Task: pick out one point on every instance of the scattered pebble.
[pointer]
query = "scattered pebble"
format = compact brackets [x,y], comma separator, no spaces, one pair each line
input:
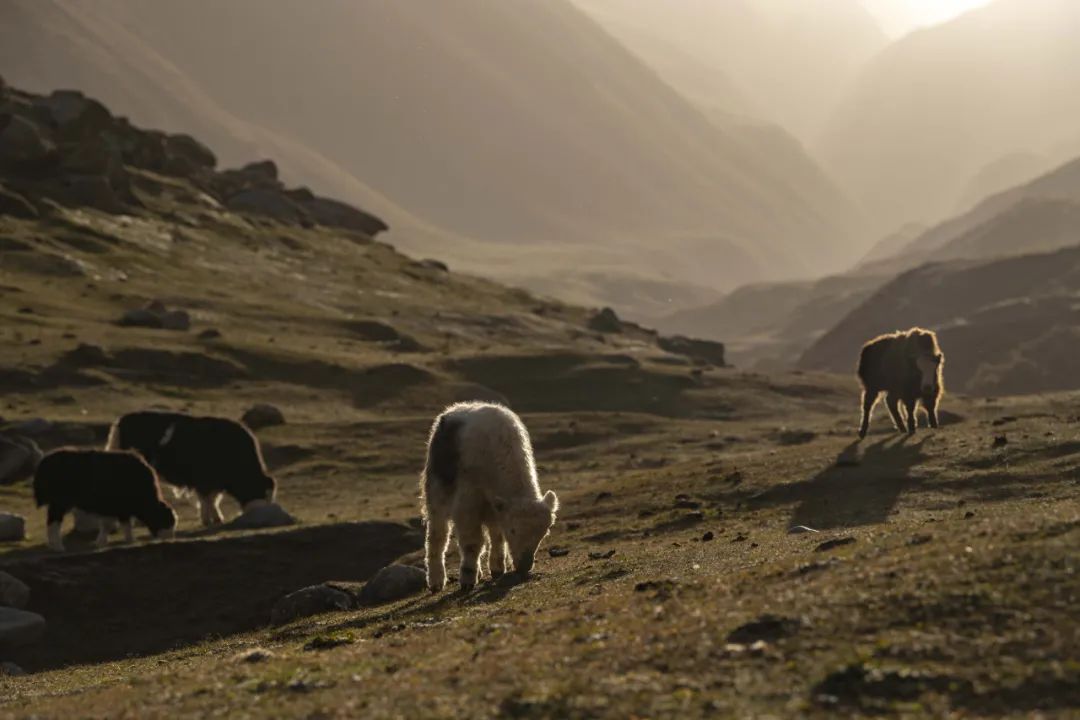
[558,552]
[707,536]
[801,529]
[1000,441]
[602,555]
[255,655]
[603,496]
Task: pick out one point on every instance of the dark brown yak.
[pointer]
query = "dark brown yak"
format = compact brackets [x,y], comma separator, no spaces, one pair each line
[906,366]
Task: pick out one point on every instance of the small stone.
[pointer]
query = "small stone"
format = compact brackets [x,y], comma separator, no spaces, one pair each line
[606,321]
[262,416]
[10,669]
[261,514]
[1000,441]
[308,601]
[209,334]
[19,627]
[600,497]
[602,555]
[142,318]
[969,514]
[393,582]
[558,552]
[707,536]
[14,593]
[12,527]
[800,530]
[176,320]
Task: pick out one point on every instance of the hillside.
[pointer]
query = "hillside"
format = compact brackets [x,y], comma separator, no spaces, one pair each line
[481,139]
[677,581]
[1007,326]
[1040,214]
[939,105]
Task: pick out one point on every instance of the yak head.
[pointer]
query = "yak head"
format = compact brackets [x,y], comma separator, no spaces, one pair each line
[525,523]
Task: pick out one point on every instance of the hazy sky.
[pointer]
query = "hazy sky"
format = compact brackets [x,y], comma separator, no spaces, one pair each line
[900,16]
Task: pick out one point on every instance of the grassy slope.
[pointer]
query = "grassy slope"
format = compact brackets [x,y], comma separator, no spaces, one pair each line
[929,610]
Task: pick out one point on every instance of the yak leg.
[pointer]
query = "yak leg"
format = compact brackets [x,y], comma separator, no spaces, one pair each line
[931,411]
[438,537]
[125,525]
[54,519]
[470,538]
[893,403]
[209,510]
[909,405]
[498,553]
[102,538]
[869,399]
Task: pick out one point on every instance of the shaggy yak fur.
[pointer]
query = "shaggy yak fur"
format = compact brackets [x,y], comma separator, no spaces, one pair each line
[907,367]
[110,485]
[209,455]
[480,477]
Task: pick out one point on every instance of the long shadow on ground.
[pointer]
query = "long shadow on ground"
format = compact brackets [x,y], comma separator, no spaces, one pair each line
[852,491]
[145,599]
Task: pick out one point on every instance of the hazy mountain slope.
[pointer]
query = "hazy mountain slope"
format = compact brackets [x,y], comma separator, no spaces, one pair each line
[784,61]
[938,105]
[1007,326]
[769,325]
[473,120]
[1034,216]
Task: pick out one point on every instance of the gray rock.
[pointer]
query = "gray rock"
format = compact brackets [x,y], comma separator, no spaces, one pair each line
[24,144]
[14,592]
[801,529]
[606,321]
[261,515]
[393,582]
[141,317]
[19,627]
[10,669]
[12,527]
[19,457]
[176,320]
[309,601]
[334,213]
[269,202]
[263,416]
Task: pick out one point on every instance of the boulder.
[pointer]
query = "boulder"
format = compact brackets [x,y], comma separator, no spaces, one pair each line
[14,593]
[393,582]
[263,416]
[606,321]
[19,457]
[176,320]
[10,669]
[334,213]
[12,527]
[261,514]
[25,145]
[264,171]
[140,317]
[309,601]
[269,202]
[74,115]
[708,351]
[15,205]
[19,627]
[93,191]
[185,155]
[434,265]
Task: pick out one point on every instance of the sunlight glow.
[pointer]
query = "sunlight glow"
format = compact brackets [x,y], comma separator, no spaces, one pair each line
[899,16]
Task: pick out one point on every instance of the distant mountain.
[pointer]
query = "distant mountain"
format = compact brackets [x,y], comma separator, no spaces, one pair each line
[1007,326]
[517,139]
[936,107]
[782,61]
[1041,214]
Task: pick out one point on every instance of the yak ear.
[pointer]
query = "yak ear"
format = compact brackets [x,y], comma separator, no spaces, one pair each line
[552,501]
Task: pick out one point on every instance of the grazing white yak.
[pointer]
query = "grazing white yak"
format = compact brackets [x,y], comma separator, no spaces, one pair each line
[480,476]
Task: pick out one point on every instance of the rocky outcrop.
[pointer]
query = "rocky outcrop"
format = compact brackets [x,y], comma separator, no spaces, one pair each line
[706,351]
[69,149]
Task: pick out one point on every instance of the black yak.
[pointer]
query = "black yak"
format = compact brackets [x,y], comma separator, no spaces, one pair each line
[110,485]
[209,455]
[907,367]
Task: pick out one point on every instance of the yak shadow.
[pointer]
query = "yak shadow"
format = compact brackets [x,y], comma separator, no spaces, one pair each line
[861,487]
[149,598]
